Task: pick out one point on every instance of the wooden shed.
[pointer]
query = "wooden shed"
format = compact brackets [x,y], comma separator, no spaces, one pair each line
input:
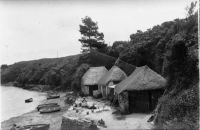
[140,91]
[112,77]
[91,79]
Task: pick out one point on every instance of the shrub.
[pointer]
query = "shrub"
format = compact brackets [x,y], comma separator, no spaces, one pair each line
[183,108]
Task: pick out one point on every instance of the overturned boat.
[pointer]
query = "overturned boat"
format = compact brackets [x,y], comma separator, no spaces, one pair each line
[53,96]
[46,105]
[37,127]
[49,109]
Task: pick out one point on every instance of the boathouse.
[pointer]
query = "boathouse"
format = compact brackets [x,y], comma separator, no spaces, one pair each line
[109,80]
[140,91]
[90,80]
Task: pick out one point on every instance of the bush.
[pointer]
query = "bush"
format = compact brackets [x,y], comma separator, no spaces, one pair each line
[179,109]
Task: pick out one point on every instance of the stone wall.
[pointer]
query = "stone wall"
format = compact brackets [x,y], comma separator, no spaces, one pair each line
[77,124]
[85,90]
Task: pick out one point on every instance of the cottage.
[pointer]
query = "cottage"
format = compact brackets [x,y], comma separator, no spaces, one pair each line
[140,91]
[107,82]
[91,79]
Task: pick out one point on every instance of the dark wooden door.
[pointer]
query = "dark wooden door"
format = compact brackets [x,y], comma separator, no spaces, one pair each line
[139,101]
[91,91]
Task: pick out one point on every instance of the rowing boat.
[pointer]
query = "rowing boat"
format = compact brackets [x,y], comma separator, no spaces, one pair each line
[49,109]
[53,96]
[36,127]
[46,105]
[28,100]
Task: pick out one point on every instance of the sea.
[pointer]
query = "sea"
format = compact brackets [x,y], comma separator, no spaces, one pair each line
[13,101]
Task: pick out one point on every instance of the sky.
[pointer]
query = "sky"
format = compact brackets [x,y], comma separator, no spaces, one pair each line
[38,29]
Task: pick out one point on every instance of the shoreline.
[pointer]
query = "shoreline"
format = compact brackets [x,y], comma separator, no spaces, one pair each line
[32,87]
[34,117]
[56,119]
[25,112]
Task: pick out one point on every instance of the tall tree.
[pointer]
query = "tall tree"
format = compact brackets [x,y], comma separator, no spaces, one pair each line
[91,37]
[191,9]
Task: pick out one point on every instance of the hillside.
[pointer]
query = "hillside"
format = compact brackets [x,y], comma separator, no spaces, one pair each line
[64,72]
[170,49]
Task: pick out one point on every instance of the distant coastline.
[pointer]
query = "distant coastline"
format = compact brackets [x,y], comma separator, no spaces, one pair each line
[31,87]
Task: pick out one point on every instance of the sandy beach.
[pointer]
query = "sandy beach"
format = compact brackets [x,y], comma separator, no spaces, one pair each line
[34,117]
[113,119]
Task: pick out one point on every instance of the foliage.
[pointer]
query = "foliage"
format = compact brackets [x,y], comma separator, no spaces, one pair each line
[91,37]
[52,71]
[179,109]
[117,48]
[170,49]
[153,46]
[65,72]
[190,9]
[4,66]
[77,76]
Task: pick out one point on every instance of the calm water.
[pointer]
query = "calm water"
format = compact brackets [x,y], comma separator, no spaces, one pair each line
[12,101]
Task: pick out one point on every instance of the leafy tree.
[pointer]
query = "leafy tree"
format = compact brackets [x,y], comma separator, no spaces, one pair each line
[117,48]
[91,37]
[4,66]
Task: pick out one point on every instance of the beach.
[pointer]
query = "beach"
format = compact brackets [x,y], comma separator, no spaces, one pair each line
[133,121]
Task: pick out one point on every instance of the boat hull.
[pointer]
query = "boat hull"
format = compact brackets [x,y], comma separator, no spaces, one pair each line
[46,105]
[53,97]
[37,127]
[28,100]
[49,109]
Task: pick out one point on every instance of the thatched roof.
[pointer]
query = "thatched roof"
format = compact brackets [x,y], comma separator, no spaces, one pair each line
[93,75]
[143,78]
[114,74]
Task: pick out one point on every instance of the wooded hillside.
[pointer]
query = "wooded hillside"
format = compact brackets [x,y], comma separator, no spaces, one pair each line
[171,49]
[65,72]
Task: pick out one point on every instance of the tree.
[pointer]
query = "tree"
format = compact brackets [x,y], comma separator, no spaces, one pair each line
[118,47]
[91,37]
[191,9]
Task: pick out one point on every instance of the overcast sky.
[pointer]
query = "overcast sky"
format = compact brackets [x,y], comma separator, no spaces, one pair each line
[34,30]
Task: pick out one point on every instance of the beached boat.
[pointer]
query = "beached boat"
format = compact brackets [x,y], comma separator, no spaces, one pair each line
[46,105]
[53,96]
[50,109]
[36,127]
[28,100]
